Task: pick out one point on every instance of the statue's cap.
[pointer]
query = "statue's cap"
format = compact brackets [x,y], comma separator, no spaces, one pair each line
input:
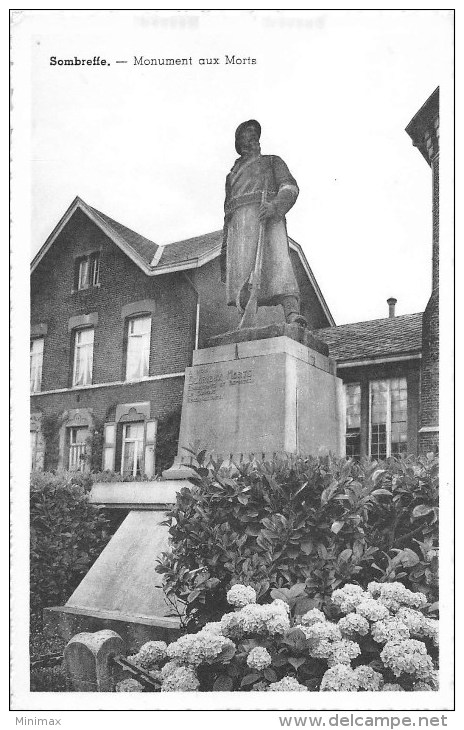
[242,126]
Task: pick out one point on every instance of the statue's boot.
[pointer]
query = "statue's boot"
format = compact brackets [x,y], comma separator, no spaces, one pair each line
[291,307]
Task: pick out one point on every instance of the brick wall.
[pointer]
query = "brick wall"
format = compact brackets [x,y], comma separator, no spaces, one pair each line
[429,416]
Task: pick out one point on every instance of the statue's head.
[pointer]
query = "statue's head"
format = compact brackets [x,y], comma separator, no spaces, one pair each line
[247,137]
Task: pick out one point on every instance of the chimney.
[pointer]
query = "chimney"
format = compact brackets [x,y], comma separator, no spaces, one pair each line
[391,307]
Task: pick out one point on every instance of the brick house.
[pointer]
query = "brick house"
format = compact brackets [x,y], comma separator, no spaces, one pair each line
[116,317]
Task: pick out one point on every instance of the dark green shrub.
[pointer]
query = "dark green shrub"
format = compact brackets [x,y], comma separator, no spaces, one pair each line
[67,535]
[322,522]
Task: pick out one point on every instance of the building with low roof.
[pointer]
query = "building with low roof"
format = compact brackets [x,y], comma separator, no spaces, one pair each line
[115,318]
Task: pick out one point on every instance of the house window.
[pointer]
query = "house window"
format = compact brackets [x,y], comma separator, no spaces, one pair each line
[132,449]
[138,348]
[33,448]
[83,356]
[88,271]
[77,445]
[388,417]
[36,360]
[353,420]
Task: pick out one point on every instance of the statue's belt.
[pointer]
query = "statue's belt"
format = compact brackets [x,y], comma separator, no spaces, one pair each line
[232,204]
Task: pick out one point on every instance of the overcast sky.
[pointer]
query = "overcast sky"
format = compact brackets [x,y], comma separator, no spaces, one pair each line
[333,90]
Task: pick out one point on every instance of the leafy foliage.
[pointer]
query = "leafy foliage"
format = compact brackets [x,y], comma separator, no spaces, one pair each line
[67,535]
[320,522]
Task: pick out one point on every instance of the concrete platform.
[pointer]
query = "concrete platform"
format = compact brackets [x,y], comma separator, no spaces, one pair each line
[282,329]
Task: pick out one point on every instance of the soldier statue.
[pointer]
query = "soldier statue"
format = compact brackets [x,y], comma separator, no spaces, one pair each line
[260,190]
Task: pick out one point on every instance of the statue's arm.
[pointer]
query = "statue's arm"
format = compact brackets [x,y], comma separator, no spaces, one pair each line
[287,188]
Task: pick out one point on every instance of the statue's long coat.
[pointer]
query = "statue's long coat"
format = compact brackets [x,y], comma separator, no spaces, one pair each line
[244,186]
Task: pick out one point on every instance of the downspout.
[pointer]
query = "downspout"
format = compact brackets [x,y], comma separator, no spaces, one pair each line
[197,316]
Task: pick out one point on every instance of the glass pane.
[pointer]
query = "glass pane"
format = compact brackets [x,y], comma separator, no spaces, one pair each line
[84,274]
[83,358]
[36,359]
[379,401]
[138,348]
[128,457]
[399,426]
[33,447]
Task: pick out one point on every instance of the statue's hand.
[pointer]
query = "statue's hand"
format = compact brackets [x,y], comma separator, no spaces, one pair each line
[266,210]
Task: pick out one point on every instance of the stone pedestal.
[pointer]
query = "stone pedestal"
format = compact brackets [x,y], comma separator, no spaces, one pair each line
[257,398]
[122,590]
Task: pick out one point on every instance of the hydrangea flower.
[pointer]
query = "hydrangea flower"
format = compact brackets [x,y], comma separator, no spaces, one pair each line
[369,680]
[129,685]
[259,658]
[411,618]
[240,595]
[195,649]
[430,628]
[150,654]
[389,629]
[372,609]
[342,652]
[213,627]
[182,679]
[340,678]
[287,684]
[270,619]
[326,630]
[374,588]
[169,667]
[314,616]
[394,595]
[408,656]
[348,597]
[390,687]
[353,623]
[422,687]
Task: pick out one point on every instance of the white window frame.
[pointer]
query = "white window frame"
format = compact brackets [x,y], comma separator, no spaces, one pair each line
[77,347]
[138,443]
[131,338]
[89,271]
[388,416]
[77,449]
[36,385]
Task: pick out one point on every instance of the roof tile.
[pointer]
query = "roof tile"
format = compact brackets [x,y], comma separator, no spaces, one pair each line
[374,338]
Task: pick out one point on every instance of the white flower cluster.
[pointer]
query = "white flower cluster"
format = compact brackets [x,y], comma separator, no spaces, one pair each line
[389,629]
[395,595]
[342,652]
[287,684]
[314,616]
[240,595]
[340,678]
[180,679]
[150,654]
[411,618]
[407,657]
[326,633]
[388,687]
[372,609]
[129,685]
[369,680]
[353,623]
[259,658]
[430,628]
[270,619]
[348,597]
[194,649]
